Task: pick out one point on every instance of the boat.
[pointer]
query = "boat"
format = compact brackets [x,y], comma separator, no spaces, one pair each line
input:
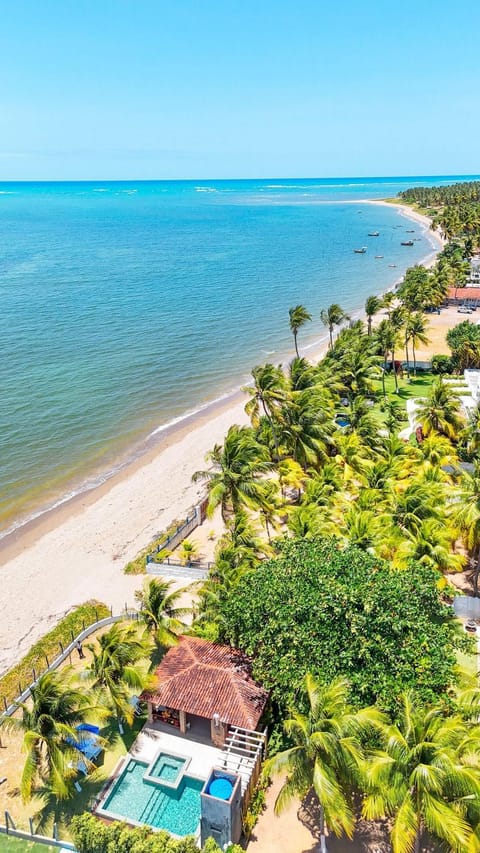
[392,266]
[373,234]
[360,251]
[410,230]
[406,243]
[379,256]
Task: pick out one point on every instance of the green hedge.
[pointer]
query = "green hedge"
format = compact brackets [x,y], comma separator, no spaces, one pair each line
[90,835]
[49,645]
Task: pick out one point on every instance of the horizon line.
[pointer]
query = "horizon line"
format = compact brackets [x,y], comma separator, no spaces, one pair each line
[218,180]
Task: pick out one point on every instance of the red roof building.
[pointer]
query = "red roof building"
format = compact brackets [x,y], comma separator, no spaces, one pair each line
[459,295]
[199,679]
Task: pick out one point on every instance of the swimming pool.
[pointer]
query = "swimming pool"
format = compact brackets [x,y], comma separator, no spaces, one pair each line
[167,768]
[133,798]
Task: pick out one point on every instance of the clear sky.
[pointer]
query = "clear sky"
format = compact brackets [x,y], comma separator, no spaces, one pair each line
[238,88]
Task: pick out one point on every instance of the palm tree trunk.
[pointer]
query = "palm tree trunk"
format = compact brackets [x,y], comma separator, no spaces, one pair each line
[414,359]
[394,371]
[407,360]
[330,329]
[369,326]
[323,839]
[296,346]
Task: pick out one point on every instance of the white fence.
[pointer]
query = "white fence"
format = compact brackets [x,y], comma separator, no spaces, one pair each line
[9,829]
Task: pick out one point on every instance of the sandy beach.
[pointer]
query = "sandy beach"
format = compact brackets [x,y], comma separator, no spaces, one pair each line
[78,551]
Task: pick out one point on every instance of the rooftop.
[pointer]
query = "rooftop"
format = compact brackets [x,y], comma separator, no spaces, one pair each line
[204,679]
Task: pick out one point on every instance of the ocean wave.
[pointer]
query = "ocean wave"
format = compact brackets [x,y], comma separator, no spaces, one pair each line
[206,190]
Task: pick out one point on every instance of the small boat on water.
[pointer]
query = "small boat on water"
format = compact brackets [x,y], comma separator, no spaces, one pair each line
[360,251]
[410,231]
[392,266]
[406,243]
[374,234]
[379,256]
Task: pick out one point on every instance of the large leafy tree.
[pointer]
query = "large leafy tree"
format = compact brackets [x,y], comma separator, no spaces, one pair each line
[326,755]
[298,316]
[419,779]
[119,667]
[236,477]
[343,612]
[160,611]
[47,722]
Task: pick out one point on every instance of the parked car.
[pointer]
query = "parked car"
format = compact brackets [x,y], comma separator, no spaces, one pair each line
[463,310]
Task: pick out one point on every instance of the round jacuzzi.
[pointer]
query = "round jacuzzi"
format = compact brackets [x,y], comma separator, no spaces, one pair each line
[221,789]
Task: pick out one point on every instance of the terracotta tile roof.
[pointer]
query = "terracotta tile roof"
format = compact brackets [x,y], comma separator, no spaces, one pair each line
[464,292]
[204,678]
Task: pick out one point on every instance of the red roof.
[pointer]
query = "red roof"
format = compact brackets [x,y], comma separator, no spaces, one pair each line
[204,678]
[464,292]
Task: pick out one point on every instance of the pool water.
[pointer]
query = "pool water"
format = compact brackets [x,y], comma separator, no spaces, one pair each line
[167,767]
[176,810]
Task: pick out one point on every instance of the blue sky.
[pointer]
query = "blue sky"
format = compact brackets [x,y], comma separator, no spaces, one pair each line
[238,88]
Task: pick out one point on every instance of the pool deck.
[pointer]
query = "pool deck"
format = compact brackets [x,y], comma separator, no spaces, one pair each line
[152,739]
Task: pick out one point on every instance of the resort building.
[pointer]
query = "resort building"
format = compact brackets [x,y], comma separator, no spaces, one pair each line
[193,767]
[207,689]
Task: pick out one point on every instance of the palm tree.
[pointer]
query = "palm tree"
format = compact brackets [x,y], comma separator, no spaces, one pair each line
[385,336]
[326,755]
[372,306]
[416,329]
[419,780]
[440,411]
[267,393]
[48,722]
[298,317]
[160,611]
[119,665]
[235,481]
[333,316]
[468,518]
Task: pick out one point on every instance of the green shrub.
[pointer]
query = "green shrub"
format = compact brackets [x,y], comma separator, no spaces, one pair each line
[90,835]
[49,647]
[442,364]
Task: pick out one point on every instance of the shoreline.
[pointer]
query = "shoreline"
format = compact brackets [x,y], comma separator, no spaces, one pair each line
[77,549]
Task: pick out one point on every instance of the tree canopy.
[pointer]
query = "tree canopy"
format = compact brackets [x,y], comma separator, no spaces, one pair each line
[344,613]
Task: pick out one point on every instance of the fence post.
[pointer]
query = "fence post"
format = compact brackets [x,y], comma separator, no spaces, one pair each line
[55,831]
[61,647]
[5,703]
[111,610]
[19,689]
[6,821]
[48,662]
[34,673]
[32,831]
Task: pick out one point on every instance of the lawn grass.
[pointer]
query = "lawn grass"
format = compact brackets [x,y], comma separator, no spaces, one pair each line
[418,386]
[46,813]
[468,662]
[9,844]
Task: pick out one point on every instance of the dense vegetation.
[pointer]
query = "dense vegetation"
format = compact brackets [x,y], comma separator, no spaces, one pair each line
[92,836]
[342,612]
[455,209]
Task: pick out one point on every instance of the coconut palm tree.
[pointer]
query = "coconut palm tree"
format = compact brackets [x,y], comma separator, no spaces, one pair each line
[266,394]
[298,317]
[326,755]
[432,545]
[419,780]
[160,612]
[236,477]
[372,306]
[385,337]
[333,316]
[468,518]
[48,722]
[416,329]
[119,666]
[440,411]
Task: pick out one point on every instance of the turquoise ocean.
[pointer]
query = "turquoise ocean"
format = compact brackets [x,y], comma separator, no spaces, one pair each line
[126,305]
